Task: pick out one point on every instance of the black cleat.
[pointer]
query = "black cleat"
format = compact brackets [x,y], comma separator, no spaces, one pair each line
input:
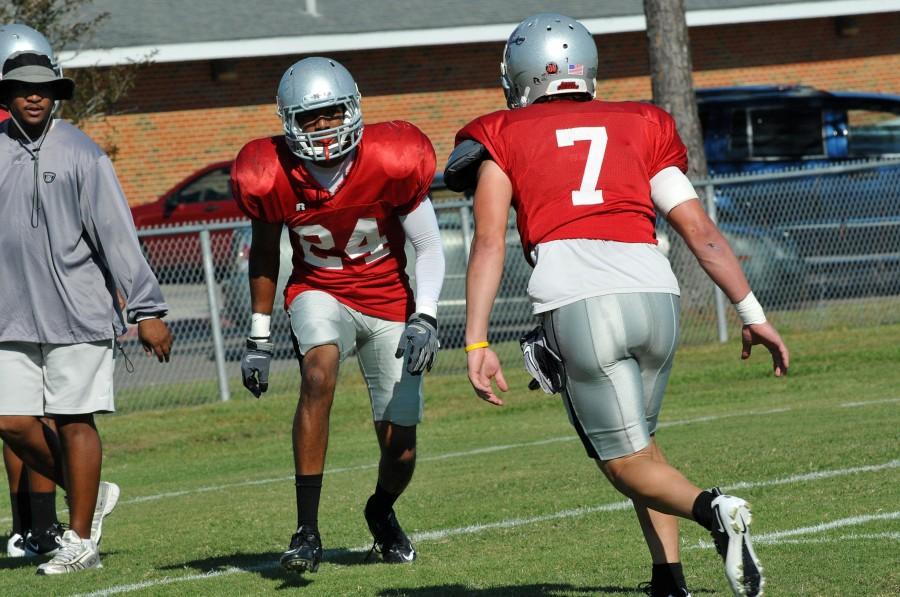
[46,542]
[305,551]
[390,540]
[653,591]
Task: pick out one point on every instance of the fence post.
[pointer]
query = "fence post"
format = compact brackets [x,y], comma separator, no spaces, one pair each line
[721,322]
[218,345]
[465,220]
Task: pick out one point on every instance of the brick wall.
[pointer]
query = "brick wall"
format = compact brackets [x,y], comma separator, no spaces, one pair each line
[178,119]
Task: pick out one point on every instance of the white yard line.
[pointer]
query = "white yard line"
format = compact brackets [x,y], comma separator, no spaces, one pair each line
[868,402]
[775,537]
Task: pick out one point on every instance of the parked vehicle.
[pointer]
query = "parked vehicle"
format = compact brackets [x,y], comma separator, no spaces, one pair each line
[844,230]
[204,196]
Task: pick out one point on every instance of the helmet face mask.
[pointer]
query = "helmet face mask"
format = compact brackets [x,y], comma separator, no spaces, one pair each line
[312,84]
[548,54]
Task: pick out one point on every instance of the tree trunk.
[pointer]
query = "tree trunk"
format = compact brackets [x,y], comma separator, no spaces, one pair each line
[673,90]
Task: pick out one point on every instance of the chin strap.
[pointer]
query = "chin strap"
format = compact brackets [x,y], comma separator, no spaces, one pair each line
[34,151]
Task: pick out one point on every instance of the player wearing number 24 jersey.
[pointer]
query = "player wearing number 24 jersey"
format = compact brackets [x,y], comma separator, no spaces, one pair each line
[351,198]
[349,242]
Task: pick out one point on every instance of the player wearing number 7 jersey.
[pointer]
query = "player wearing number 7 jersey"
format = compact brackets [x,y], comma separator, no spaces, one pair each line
[587,179]
[351,199]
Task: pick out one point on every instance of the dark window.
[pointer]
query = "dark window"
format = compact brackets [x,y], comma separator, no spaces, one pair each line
[872,133]
[786,133]
[212,186]
[737,149]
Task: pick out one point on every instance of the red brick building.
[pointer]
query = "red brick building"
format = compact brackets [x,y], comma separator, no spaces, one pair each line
[199,102]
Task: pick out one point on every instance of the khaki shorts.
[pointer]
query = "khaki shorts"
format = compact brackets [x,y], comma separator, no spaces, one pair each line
[56,379]
[617,350]
[318,319]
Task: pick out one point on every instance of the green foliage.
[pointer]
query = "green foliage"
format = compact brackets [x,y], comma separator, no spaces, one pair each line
[207,491]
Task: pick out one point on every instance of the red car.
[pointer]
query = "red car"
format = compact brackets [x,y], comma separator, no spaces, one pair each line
[203,196]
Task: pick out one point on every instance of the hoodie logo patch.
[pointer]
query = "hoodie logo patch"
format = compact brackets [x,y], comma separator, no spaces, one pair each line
[49,177]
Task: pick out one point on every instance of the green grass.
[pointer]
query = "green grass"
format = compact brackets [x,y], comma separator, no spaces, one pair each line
[759,429]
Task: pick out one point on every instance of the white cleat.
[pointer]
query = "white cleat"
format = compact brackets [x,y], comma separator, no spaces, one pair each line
[107,498]
[15,547]
[731,535]
[75,554]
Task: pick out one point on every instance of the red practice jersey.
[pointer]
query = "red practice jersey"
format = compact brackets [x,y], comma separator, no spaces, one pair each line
[581,169]
[3,114]
[349,244]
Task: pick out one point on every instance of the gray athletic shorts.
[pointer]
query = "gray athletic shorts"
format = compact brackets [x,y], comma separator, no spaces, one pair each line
[318,319]
[618,351]
[56,379]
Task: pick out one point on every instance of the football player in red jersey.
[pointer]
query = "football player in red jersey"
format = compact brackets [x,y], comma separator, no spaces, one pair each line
[350,198]
[586,179]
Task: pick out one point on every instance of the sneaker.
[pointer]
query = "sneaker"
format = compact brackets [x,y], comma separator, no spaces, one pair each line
[305,551]
[15,546]
[651,591]
[390,540]
[45,543]
[107,498]
[74,554]
[731,534]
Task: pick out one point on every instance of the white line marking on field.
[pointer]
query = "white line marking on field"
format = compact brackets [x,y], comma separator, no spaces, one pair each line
[841,538]
[868,402]
[437,457]
[570,513]
[780,536]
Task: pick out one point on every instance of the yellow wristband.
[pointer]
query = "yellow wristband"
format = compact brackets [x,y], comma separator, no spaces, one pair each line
[477,345]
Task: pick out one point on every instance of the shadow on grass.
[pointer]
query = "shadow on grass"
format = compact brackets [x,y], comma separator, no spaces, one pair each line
[534,590]
[266,565]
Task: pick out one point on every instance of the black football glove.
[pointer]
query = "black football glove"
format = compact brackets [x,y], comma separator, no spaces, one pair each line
[544,365]
[419,342]
[255,365]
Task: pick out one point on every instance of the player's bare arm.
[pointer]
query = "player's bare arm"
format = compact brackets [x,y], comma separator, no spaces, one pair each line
[493,197]
[717,259]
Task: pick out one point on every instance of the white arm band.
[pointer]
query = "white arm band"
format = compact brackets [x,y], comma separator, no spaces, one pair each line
[260,324]
[669,188]
[421,228]
[750,311]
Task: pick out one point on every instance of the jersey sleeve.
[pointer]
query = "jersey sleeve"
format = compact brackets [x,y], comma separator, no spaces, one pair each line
[418,163]
[252,182]
[486,130]
[667,148]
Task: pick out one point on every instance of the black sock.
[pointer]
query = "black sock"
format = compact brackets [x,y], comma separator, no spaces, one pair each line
[21,512]
[702,510]
[43,510]
[381,501]
[309,489]
[668,576]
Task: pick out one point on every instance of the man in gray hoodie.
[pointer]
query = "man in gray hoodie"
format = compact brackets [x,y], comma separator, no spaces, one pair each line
[68,246]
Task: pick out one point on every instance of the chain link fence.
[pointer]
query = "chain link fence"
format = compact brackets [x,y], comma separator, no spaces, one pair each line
[821,248]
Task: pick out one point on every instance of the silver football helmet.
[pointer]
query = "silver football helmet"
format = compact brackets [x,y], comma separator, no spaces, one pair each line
[15,38]
[548,54]
[314,83]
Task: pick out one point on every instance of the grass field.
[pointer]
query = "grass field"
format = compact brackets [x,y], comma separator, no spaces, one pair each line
[504,501]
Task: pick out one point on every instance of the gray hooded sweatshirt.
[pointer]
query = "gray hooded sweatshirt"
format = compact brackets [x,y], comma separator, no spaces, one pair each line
[61,264]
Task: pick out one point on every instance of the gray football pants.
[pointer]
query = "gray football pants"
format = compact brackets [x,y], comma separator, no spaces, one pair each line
[617,350]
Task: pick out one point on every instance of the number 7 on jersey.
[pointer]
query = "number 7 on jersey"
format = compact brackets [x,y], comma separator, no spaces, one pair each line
[588,194]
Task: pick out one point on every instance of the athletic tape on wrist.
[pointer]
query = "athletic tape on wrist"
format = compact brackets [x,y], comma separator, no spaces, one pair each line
[750,311]
[260,325]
